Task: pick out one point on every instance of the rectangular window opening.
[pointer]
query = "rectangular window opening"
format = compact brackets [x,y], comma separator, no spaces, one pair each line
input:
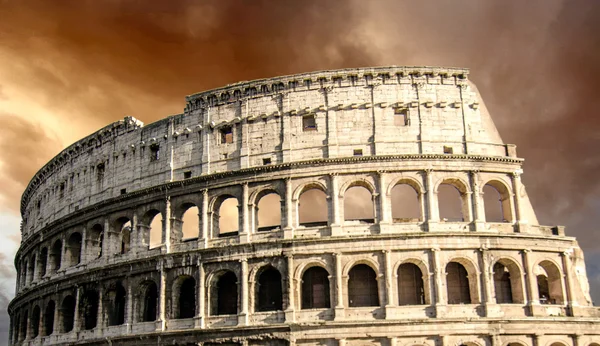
[123,191]
[309,123]
[187,174]
[448,150]
[100,172]
[267,161]
[401,117]
[226,135]
[224,156]
[154,152]
[358,152]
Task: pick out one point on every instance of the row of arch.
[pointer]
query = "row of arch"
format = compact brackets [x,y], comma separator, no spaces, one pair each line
[267,213]
[315,292]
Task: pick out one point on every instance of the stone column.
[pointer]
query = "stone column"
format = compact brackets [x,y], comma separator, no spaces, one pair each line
[78,293]
[389,292]
[83,254]
[339,292]
[334,218]
[478,207]
[517,187]
[107,240]
[167,225]
[384,203]
[244,234]
[129,311]
[290,315]
[491,307]
[243,317]
[577,340]
[243,128]
[569,294]
[56,325]
[99,315]
[200,319]
[163,297]
[288,229]
[204,231]
[439,279]
[433,214]
[342,342]
[530,283]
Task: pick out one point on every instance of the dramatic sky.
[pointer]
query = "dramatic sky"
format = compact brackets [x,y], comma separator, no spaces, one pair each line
[68,68]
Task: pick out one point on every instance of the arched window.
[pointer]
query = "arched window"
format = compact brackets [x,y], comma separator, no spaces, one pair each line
[74,249]
[358,205]
[224,295]
[31,270]
[451,204]
[410,285]
[312,208]
[315,289]
[270,297]
[149,301]
[362,286]
[67,312]
[89,309]
[156,229]
[125,228]
[49,318]
[24,268]
[227,218]
[186,298]
[96,239]
[457,283]
[406,205]
[549,283]
[116,305]
[24,325]
[269,212]
[496,201]
[43,261]
[35,322]
[502,284]
[56,256]
[191,223]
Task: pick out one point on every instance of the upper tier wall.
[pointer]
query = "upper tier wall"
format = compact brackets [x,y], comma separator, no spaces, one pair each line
[374,111]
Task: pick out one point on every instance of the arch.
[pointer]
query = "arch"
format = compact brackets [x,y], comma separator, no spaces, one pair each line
[315,292]
[124,227]
[67,313]
[269,290]
[184,297]
[35,322]
[190,221]
[302,188]
[458,284]
[56,256]
[43,261]
[224,294]
[116,299]
[508,284]
[496,201]
[411,289]
[557,343]
[225,216]
[148,301]
[362,286]
[358,201]
[96,239]
[25,268]
[31,270]
[355,183]
[153,233]
[406,202]
[268,211]
[49,318]
[89,308]
[453,201]
[549,280]
[311,204]
[74,249]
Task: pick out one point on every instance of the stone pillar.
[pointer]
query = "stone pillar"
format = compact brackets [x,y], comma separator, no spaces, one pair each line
[385,217]
[162,299]
[478,206]
[334,217]
[517,187]
[129,311]
[491,308]
[204,219]
[244,234]
[569,294]
[389,292]
[439,279]
[107,240]
[200,319]
[288,229]
[290,315]
[530,284]
[99,315]
[577,340]
[243,317]
[78,293]
[339,292]
[56,325]
[433,213]
[243,128]
[167,225]
[83,254]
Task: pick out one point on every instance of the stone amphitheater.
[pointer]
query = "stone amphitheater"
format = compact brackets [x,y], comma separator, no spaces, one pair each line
[372,206]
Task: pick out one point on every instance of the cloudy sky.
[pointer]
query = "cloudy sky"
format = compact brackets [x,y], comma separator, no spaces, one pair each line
[68,68]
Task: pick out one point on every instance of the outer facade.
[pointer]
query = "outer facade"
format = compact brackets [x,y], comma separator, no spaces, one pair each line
[88,275]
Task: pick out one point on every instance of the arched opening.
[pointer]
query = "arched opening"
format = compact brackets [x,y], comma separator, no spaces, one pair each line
[186,297]
[89,309]
[24,269]
[549,281]
[502,284]
[43,261]
[312,208]
[410,285]
[156,229]
[270,295]
[16,329]
[406,204]
[67,312]
[116,299]
[56,256]
[31,270]
[35,322]
[358,205]
[315,289]
[226,216]
[268,212]
[124,226]
[96,239]
[149,301]
[496,201]
[451,203]
[224,294]
[74,249]
[49,318]
[362,286]
[190,223]
[457,283]
[24,325]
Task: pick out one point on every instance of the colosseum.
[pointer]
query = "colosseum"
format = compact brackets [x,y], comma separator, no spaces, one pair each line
[372,206]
